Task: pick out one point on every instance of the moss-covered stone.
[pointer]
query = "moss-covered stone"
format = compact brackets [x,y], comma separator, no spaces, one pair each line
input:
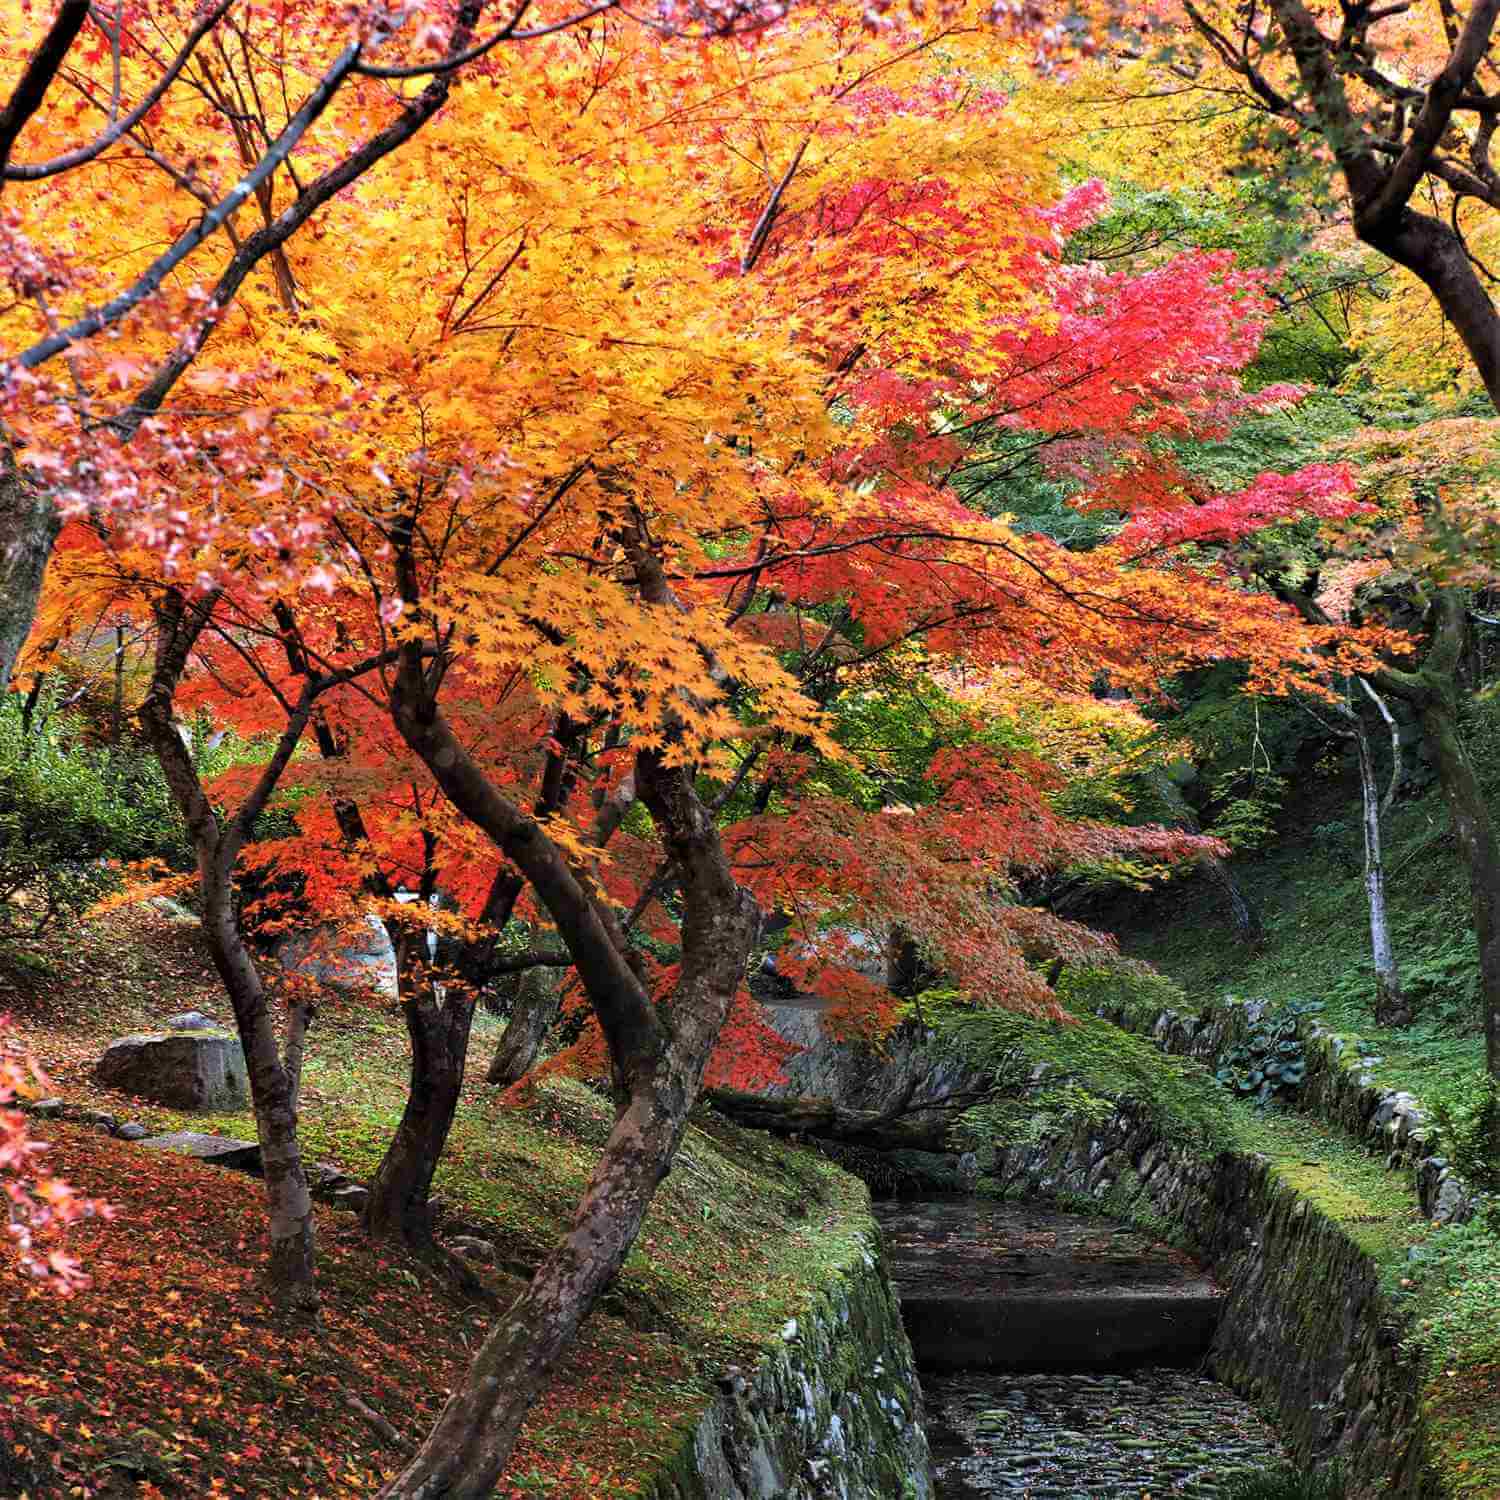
[832,1408]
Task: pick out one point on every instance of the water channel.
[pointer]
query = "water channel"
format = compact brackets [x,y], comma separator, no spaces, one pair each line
[1061,1357]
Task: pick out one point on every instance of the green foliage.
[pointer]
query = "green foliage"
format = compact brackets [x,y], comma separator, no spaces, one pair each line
[1467,1114]
[1288,1484]
[1452,1289]
[1047,1075]
[66,810]
[1270,1063]
[1132,989]
[1246,806]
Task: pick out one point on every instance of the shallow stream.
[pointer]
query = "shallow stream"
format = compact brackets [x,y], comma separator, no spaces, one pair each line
[1151,1432]
[1081,1413]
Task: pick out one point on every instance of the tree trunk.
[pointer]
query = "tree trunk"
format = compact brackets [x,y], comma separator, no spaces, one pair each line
[1476,841]
[28,527]
[467,1451]
[538,999]
[273,1092]
[1391,1007]
[274,1083]
[398,1206]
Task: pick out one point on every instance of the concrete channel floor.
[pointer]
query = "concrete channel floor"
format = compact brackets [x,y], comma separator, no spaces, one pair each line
[1052,1348]
[1007,1286]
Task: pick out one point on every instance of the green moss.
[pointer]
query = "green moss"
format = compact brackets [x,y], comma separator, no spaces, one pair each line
[1338,1177]
[1046,1073]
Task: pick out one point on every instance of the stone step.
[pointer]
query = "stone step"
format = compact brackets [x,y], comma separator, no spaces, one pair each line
[997,1286]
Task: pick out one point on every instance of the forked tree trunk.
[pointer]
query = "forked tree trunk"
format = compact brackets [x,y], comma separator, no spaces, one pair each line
[28,527]
[399,1203]
[274,1079]
[659,1058]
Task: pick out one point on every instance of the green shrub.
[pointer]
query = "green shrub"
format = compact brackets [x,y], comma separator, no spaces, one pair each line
[1270,1063]
[1467,1113]
[1288,1484]
[66,811]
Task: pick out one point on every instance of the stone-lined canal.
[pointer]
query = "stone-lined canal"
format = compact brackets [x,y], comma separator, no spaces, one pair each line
[1059,1356]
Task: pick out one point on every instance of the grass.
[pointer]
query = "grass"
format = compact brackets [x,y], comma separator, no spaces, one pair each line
[742,1231]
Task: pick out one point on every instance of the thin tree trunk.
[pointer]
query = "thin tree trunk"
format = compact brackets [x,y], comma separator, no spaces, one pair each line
[398,1206]
[1391,1007]
[28,527]
[273,1084]
[538,1000]
[290,1268]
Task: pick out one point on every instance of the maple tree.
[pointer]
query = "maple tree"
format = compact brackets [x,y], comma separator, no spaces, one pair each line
[609,503]
[1391,97]
[39,1207]
[294,104]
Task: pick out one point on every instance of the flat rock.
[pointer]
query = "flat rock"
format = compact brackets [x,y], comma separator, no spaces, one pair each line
[185,1069]
[132,1130]
[217,1150]
[471,1247]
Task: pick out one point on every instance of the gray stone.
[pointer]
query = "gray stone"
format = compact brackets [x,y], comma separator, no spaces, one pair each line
[48,1109]
[473,1248]
[172,911]
[353,1197]
[1452,1203]
[352,962]
[132,1130]
[191,1020]
[845,1386]
[184,1069]
[216,1150]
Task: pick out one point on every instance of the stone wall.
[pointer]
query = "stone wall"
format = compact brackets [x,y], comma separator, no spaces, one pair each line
[832,1412]
[1304,1331]
[1338,1088]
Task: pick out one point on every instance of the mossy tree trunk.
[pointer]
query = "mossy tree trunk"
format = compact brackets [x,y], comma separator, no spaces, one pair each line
[28,527]
[1433,690]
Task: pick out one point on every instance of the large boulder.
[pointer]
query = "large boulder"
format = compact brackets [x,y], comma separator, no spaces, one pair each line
[184,1069]
[360,960]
